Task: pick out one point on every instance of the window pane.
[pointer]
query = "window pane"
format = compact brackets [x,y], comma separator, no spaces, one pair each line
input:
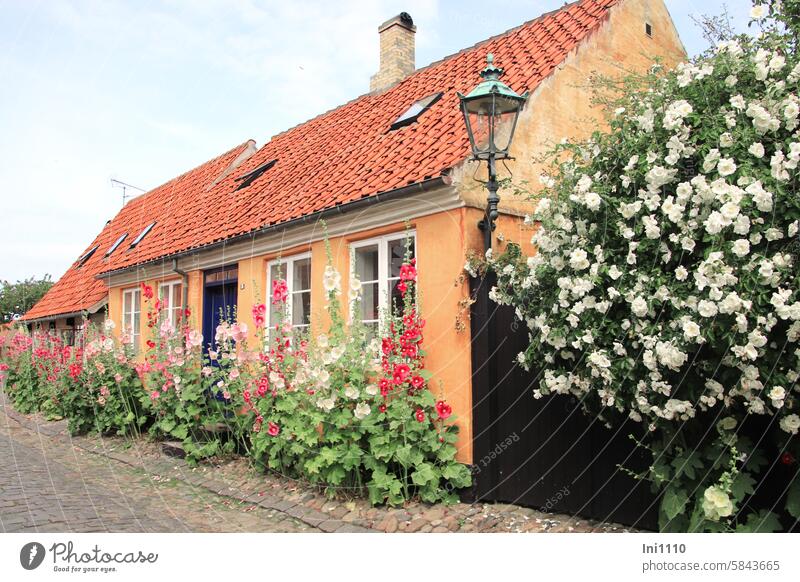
[367,263]
[137,301]
[301,308]
[276,272]
[369,301]
[302,275]
[397,298]
[177,296]
[397,252]
[127,301]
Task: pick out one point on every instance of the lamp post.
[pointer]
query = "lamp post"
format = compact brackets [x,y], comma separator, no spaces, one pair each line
[490,113]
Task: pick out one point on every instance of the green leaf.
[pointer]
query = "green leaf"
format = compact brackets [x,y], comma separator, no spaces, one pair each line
[424,474]
[742,486]
[674,502]
[762,522]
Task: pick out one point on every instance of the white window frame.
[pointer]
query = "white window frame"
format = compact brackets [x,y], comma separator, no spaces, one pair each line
[169,286]
[289,263]
[136,308]
[383,268]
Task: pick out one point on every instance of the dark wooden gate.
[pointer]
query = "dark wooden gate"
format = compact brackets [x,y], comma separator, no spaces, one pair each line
[546,453]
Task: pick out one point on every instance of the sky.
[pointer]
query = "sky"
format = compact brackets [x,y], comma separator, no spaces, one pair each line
[142,91]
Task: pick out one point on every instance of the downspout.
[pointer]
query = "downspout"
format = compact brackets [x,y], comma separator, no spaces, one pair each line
[184,284]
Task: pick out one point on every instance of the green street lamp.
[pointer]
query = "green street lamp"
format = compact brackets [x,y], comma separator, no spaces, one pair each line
[490,113]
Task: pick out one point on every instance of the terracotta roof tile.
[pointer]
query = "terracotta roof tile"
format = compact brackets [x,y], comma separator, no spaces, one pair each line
[338,157]
[79,289]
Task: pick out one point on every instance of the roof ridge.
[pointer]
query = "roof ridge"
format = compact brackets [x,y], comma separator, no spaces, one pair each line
[442,60]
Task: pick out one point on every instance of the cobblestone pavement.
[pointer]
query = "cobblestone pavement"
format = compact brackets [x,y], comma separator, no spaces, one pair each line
[49,486]
[52,482]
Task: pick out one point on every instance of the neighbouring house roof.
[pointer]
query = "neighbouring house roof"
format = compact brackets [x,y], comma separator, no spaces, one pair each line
[341,156]
[79,289]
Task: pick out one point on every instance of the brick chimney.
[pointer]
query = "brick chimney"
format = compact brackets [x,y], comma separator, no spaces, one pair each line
[397,52]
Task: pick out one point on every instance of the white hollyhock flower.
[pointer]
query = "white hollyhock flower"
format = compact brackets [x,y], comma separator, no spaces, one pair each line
[362,410]
[758,12]
[716,503]
[790,424]
[351,392]
[681,273]
[331,280]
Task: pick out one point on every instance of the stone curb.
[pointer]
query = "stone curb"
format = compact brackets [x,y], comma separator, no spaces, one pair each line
[307,515]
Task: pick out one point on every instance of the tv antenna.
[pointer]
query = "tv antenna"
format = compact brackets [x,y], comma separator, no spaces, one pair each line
[120,184]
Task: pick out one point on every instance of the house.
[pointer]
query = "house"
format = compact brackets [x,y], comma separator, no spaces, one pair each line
[392,161]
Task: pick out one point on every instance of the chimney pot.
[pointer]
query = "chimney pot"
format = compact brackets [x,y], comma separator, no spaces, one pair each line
[397,52]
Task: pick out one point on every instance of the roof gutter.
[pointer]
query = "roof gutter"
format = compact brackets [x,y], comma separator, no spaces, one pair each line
[184,284]
[415,188]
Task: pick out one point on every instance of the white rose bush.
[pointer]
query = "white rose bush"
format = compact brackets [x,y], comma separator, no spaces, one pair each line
[665,284]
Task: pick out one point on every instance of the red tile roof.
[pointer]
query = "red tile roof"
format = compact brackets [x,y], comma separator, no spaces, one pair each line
[79,289]
[345,154]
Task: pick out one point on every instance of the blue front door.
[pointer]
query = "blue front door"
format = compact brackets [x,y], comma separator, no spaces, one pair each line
[219,301]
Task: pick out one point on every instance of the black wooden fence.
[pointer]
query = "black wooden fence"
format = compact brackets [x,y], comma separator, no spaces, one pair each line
[545,453]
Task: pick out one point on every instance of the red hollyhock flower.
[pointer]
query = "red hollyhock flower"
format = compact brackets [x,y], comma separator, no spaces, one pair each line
[443,409]
[420,415]
[273,429]
[787,458]
[401,373]
[402,287]
[151,344]
[147,291]
[382,408]
[418,382]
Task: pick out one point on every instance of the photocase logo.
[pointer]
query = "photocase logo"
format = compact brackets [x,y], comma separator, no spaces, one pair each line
[31,555]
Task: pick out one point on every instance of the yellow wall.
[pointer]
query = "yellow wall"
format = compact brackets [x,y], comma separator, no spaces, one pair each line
[560,107]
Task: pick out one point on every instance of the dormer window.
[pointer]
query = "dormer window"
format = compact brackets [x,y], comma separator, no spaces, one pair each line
[116,244]
[86,256]
[417,108]
[142,234]
[251,177]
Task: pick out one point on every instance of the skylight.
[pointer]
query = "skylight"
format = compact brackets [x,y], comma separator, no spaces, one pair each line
[417,108]
[87,256]
[142,234]
[116,244]
[251,177]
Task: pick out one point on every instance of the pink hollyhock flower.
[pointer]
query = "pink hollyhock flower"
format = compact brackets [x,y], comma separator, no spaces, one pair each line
[408,272]
[443,409]
[259,313]
[155,395]
[194,339]
[105,391]
[273,429]
[117,377]
[280,292]
[234,374]
[238,331]
[420,415]
[402,287]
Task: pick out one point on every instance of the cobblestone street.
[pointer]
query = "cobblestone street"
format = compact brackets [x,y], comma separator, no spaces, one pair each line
[48,486]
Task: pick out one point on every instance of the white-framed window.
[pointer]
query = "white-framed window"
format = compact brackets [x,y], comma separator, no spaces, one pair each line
[376,263]
[170,295]
[296,271]
[131,314]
